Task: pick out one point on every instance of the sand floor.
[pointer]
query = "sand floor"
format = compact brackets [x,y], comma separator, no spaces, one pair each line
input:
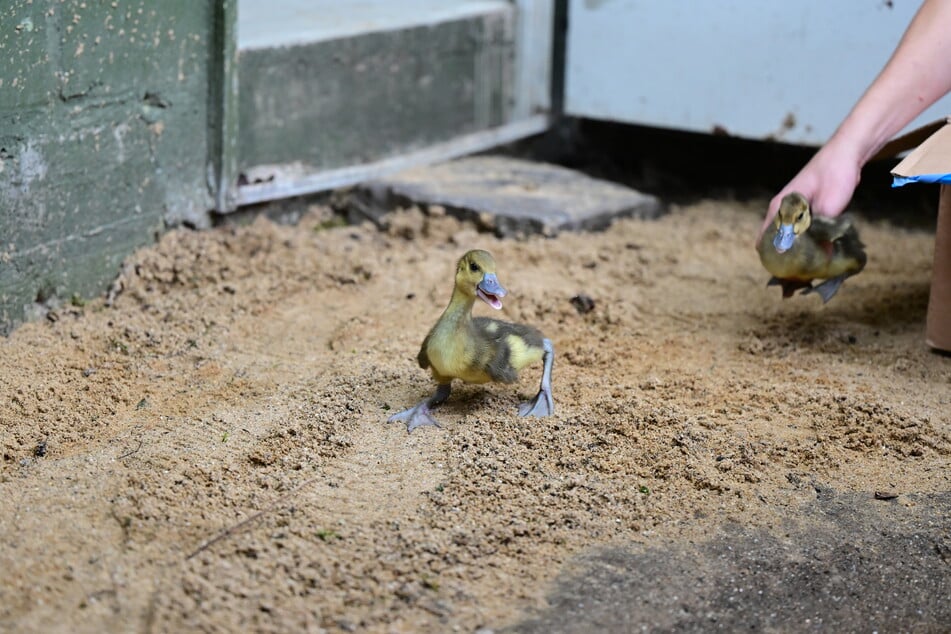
[210,451]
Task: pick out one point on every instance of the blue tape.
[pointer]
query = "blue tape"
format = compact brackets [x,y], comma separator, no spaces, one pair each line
[944,179]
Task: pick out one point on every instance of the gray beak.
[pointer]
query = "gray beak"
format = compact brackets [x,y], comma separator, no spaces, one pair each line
[785,236]
[490,284]
[490,291]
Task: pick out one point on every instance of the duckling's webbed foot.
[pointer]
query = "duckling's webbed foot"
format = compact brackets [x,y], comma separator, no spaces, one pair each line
[827,289]
[543,404]
[419,415]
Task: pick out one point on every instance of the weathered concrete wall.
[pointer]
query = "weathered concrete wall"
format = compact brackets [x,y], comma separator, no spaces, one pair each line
[104,138]
[351,100]
[119,118]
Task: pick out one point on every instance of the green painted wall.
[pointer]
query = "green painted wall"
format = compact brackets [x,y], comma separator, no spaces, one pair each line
[106,136]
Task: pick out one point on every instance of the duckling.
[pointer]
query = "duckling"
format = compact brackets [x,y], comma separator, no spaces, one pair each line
[479,349]
[804,247]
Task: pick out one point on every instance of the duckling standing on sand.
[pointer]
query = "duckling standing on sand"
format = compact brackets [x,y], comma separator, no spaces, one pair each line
[479,349]
[803,247]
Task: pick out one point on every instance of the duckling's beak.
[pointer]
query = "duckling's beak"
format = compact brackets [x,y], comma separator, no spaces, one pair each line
[785,236]
[490,291]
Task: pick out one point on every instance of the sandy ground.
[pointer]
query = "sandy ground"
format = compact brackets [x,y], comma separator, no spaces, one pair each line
[210,452]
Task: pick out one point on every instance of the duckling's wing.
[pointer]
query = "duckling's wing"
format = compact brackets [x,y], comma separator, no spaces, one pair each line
[422,357]
[851,247]
[825,229]
[505,348]
[844,239]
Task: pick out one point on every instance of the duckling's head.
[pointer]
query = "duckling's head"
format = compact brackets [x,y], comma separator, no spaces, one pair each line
[792,220]
[475,277]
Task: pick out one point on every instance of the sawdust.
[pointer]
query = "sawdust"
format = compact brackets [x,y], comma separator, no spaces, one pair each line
[210,451]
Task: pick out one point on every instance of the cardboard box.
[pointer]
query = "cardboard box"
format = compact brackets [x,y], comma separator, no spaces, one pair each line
[938,329]
[930,162]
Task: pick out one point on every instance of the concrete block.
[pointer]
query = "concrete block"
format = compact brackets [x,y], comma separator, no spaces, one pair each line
[510,196]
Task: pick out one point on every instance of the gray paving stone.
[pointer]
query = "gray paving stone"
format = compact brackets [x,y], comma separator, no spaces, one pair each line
[510,196]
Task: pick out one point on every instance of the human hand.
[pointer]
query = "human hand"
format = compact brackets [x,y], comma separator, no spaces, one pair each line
[827,181]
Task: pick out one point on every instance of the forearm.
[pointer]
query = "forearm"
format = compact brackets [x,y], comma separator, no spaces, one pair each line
[917,75]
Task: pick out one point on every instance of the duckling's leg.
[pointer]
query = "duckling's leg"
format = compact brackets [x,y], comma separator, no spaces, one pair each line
[789,286]
[419,416]
[828,288]
[543,404]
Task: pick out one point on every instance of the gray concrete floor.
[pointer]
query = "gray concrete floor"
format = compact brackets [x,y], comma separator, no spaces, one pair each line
[849,563]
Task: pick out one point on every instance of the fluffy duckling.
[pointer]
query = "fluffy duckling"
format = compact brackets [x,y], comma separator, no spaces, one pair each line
[803,247]
[479,349]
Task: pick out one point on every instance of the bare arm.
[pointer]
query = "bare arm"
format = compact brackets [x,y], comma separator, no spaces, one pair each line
[917,75]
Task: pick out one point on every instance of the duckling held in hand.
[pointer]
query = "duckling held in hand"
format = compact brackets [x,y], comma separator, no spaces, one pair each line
[479,349]
[801,247]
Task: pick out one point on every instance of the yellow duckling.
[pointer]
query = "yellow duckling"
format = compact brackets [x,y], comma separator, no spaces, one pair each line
[479,349]
[803,247]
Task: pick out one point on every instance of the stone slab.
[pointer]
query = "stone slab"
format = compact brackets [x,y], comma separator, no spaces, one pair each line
[510,196]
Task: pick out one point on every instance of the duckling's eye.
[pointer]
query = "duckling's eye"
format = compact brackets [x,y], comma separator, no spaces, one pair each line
[473,267]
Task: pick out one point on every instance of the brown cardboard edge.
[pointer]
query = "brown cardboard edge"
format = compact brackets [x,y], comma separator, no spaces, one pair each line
[909,140]
[938,319]
[933,156]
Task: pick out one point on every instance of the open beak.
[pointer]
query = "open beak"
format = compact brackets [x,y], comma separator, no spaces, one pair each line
[490,291]
[785,236]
